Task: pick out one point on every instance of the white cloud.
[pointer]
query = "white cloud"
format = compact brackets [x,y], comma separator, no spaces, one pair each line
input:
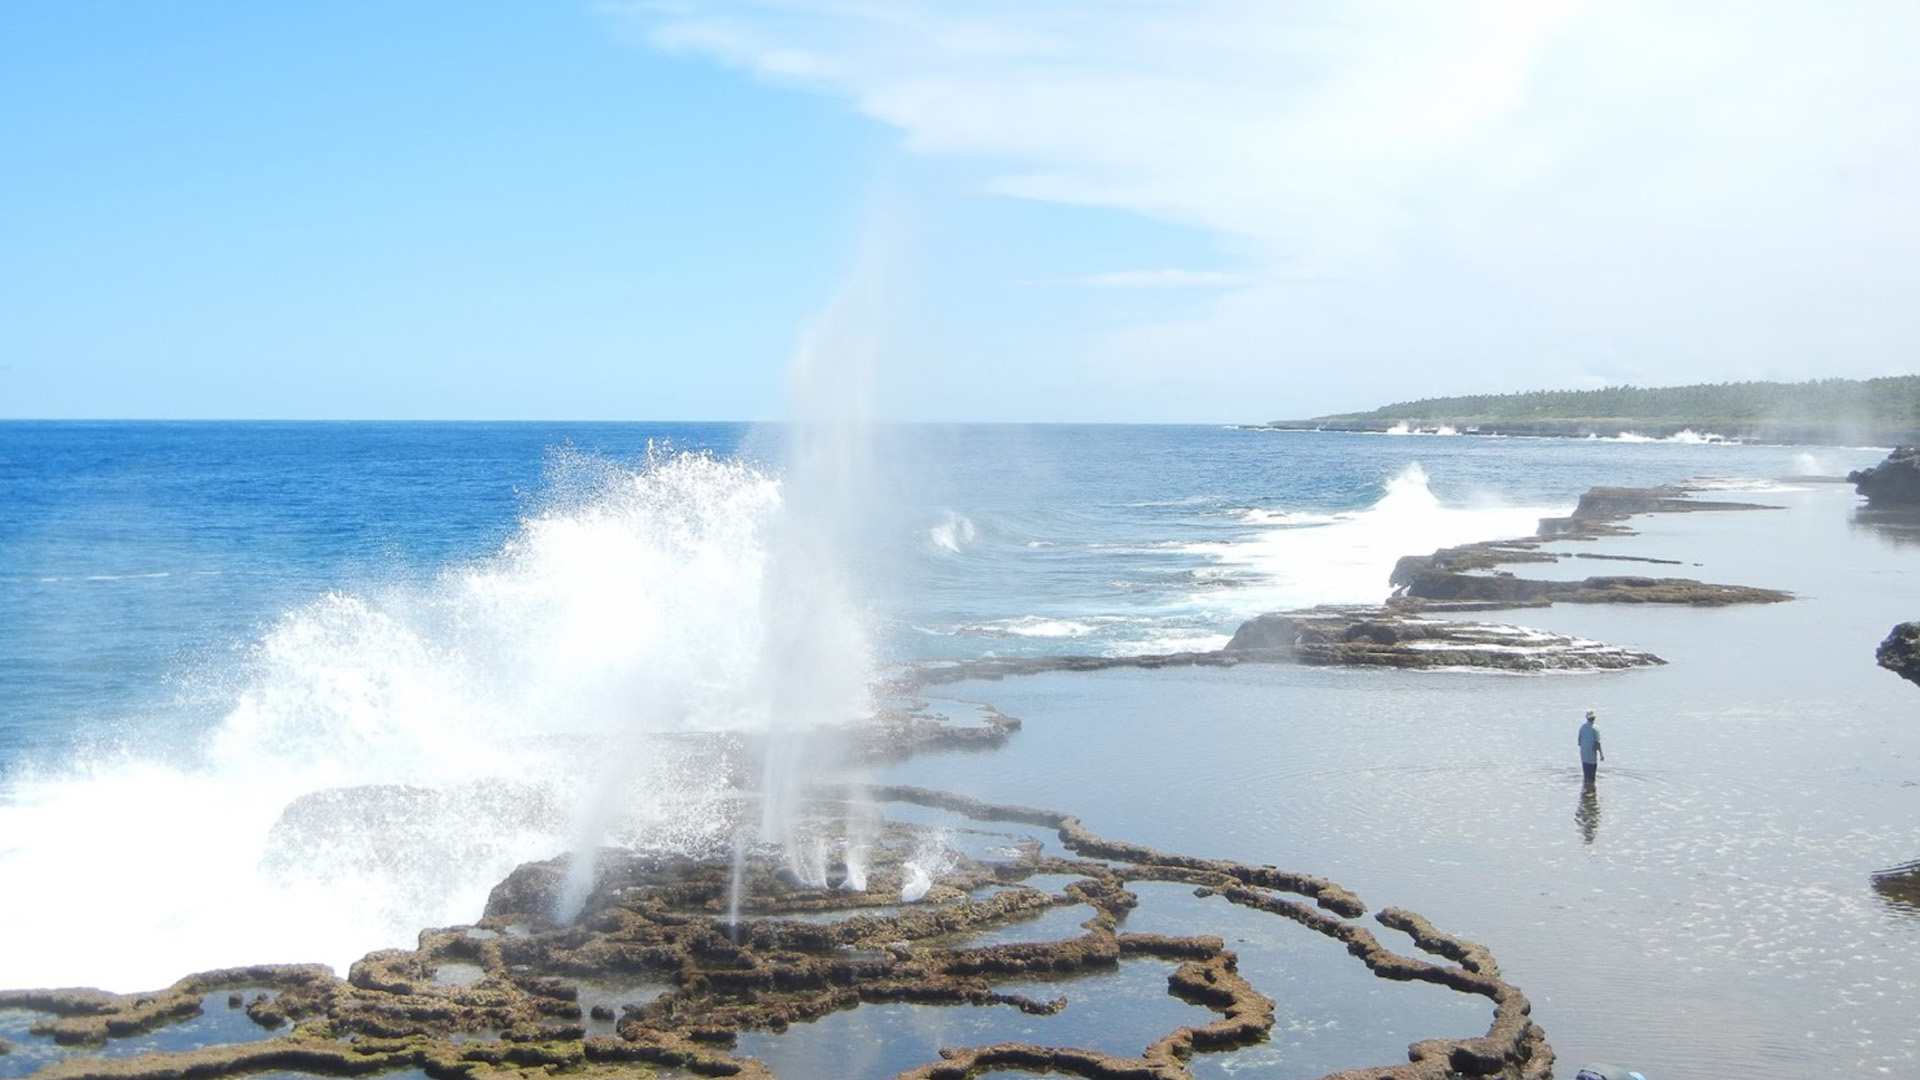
[1507,191]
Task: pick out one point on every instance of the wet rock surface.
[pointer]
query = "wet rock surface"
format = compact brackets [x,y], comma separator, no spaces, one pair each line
[1900,652]
[1381,637]
[753,947]
[1471,578]
[1893,482]
[1899,886]
[761,958]
[1394,635]
[1452,580]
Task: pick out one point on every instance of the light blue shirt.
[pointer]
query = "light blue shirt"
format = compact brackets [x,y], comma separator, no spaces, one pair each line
[1589,744]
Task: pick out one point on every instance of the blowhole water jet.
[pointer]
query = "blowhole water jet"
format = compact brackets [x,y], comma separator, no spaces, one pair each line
[816,664]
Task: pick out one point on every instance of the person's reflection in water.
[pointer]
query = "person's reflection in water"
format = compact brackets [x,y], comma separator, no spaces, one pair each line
[1587,814]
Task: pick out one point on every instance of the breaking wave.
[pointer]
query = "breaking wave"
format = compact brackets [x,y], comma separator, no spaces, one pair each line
[1346,558]
[384,758]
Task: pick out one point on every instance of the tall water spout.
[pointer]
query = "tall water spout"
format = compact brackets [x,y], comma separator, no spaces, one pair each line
[816,662]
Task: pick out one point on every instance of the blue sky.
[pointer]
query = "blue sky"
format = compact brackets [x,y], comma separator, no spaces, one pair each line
[1127,210]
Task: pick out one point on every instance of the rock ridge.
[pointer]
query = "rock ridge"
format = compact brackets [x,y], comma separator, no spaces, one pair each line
[786,954]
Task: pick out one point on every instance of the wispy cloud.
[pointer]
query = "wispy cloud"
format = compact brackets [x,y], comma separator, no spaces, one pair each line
[1168,278]
[1712,190]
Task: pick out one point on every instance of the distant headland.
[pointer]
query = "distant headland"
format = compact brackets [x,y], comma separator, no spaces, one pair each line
[1880,412]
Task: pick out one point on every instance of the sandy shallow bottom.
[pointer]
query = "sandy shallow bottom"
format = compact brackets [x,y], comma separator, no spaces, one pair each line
[1709,911]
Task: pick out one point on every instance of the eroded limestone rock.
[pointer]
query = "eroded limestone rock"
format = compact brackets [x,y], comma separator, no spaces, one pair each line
[669,918]
[1470,578]
[1900,652]
[1382,637]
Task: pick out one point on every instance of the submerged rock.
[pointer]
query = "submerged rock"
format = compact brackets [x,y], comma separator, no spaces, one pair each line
[1469,578]
[1380,637]
[1893,482]
[1900,653]
[1431,578]
[1899,886]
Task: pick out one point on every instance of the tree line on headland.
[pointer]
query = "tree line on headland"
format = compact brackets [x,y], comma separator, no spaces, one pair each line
[1880,411]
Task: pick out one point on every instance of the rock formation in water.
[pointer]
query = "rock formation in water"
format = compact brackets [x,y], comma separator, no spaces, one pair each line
[1379,637]
[1435,584]
[1353,636]
[1900,653]
[1469,578]
[1899,886]
[1893,482]
[506,997]
[1466,578]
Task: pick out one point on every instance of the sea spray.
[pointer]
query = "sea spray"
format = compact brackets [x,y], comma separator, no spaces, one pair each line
[952,532]
[859,827]
[385,757]
[931,858]
[1346,558]
[817,663]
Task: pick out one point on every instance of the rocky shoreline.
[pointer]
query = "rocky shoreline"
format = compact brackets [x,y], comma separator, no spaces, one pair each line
[506,995]
[1611,428]
[1893,482]
[1472,578]
[1402,633]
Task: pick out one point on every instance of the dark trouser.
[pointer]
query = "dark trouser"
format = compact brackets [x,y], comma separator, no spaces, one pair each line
[1589,770]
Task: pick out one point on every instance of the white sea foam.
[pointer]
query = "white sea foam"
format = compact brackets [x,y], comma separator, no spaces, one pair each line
[1349,557]
[1699,438]
[1685,436]
[388,757]
[952,532]
[1035,626]
[1172,642]
[1741,483]
[1260,516]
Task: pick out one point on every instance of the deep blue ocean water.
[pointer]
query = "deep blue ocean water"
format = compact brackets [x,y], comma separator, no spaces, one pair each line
[134,555]
[214,636]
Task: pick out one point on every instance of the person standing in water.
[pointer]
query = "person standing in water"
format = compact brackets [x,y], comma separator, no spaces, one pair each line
[1590,753]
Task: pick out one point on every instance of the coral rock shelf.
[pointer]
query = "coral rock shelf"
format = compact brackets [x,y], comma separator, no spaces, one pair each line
[776,953]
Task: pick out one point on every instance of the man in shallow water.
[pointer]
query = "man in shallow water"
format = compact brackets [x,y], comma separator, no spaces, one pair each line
[1590,753]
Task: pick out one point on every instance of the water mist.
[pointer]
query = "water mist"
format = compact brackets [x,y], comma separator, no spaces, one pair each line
[808,664]
[817,662]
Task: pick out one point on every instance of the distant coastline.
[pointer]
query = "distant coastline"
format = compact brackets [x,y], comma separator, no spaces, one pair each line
[1611,429]
[1826,412]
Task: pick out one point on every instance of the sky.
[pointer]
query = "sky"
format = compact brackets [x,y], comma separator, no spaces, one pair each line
[1052,210]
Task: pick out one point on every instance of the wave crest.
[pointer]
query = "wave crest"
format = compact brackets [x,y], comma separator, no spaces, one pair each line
[566,689]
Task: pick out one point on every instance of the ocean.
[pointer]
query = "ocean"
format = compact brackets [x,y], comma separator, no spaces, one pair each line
[214,636]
